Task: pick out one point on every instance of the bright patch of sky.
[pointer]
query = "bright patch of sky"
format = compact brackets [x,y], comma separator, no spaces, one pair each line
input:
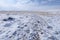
[29,4]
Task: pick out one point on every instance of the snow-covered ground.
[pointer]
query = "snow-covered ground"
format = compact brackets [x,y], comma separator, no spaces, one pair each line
[29,27]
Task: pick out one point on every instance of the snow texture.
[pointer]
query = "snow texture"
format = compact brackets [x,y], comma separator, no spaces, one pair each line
[29,27]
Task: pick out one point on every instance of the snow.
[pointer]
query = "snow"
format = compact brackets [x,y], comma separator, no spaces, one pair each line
[29,27]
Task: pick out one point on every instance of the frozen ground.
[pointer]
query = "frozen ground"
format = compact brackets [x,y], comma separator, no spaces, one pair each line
[29,27]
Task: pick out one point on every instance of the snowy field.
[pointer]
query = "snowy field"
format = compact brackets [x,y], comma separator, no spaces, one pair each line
[29,27]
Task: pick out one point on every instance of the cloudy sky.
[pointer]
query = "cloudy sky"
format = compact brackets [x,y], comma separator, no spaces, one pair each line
[29,5]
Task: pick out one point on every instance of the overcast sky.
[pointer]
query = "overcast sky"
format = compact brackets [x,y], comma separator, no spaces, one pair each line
[29,5]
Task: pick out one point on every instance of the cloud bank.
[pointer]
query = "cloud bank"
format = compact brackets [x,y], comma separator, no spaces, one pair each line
[21,5]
